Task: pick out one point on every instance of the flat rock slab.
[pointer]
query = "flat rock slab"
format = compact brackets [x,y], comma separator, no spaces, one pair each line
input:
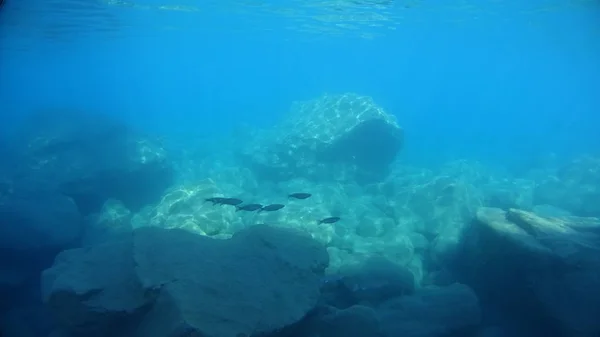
[259,281]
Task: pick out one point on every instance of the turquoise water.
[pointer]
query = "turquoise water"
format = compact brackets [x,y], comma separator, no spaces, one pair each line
[496,81]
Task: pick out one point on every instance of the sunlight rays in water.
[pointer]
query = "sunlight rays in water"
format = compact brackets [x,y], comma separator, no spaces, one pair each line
[63,20]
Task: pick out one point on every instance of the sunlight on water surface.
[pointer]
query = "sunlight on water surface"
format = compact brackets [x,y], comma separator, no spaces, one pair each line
[64,20]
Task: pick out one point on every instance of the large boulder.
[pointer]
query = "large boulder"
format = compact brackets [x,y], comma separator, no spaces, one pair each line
[91,158]
[95,291]
[574,187]
[112,221]
[35,221]
[432,312]
[34,226]
[435,205]
[370,283]
[337,137]
[163,282]
[547,268]
[185,206]
[26,320]
[354,321]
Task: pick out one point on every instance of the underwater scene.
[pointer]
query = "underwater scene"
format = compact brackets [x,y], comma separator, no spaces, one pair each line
[287,168]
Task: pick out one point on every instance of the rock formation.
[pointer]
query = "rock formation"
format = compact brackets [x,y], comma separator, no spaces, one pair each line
[162,282]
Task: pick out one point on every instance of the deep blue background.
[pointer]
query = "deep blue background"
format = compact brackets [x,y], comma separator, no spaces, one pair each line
[500,84]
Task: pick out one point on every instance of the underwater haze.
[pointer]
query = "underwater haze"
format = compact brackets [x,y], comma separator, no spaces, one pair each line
[299,168]
[498,81]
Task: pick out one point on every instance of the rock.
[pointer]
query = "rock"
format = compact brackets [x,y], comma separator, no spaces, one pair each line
[34,226]
[59,333]
[367,230]
[37,221]
[444,204]
[510,193]
[369,283]
[185,206]
[546,264]
[11,279]
[574,187]
[550,211]
[261,280]
[91,158]
[12,282]
[431,312]
[94,291]
[494,331]
[26,321]
[355,321]
[341,137]
[441,277]
[113,220]
[436,206]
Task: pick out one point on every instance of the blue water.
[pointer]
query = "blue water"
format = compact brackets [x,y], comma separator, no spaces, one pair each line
[473,229]
[492,81]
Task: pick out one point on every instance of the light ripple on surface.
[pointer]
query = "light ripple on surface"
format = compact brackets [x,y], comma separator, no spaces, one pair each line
[71,19]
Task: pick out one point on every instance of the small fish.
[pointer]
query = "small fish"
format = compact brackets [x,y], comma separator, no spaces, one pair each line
[300,195]
[332,219]
[224,201]
[215,200]
[271,208]
[249,207]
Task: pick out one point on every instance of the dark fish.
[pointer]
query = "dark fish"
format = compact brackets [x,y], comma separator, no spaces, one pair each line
[249,207]
[332,219]
[225,201]
[215,200]
[300,195]
[273,207]
[232,201]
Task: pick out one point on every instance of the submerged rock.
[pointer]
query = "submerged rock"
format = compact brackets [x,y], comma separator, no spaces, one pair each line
[173,282]
[432,312]
[369,283]
[335,136]
[34,227]
[113,220]
[185,206]
[26,320]
[34,221]
[95,291]
[547,267]
[355,321]
[575,187]
[91,158]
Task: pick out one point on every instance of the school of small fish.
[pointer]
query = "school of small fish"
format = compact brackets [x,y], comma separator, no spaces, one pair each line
[240,206]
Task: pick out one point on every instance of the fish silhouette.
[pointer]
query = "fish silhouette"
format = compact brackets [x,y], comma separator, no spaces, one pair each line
[300,195]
